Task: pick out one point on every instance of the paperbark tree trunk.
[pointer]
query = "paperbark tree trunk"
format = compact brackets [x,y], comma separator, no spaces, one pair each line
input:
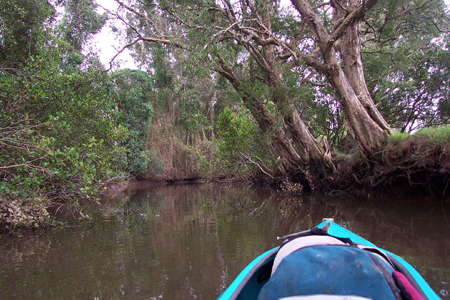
[364,121]
[317,164]
[369,135]
[350,49]
[317,160]
[288,156]
[298,152]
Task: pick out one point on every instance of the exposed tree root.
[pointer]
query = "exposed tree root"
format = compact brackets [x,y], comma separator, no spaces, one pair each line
[413,163]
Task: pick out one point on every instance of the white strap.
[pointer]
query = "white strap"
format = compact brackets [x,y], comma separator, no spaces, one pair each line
[325,297]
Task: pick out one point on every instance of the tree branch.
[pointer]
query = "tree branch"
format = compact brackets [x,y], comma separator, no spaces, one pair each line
[164,41]
[135,12]
[121,50]
[351,18]
[261,168]
[157,39]
[312,19]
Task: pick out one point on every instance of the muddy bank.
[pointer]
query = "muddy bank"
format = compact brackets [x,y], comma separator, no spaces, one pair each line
[413,164]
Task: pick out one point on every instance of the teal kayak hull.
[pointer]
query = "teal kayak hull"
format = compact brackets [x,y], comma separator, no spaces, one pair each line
[252,278]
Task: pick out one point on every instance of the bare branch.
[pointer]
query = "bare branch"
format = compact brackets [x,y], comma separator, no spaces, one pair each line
[260,59]
[121,50]
[260,167]
[230,11]
[164,41]
[299,56]
[220,33]
[137,13]
[322,5]
[180,20]
[153,39]
[224,70]
[29,165]
[121,19]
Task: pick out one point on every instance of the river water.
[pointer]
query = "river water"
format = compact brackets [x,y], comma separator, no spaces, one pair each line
[189,242]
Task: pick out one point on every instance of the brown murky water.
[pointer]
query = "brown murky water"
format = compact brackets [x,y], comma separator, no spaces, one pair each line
[188,242]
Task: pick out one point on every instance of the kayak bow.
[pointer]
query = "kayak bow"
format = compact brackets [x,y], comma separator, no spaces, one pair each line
[259,276]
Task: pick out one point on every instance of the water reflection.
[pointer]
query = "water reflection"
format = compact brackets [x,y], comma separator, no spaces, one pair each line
[188,242]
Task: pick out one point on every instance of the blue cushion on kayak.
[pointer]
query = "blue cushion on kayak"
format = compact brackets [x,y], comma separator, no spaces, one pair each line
[330,270]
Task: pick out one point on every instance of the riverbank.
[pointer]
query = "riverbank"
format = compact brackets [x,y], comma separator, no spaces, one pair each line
[418,163]
[413,163]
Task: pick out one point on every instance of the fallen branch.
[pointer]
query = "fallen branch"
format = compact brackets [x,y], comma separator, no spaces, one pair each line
[258,165]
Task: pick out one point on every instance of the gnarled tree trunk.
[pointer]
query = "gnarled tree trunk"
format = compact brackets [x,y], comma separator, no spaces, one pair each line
[364,121]
[369,135]
[317,164]
[317,161]
[350,48]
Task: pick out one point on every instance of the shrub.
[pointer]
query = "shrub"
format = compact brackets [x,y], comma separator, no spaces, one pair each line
[239,139]
[437,135]
[60,137]
[396,136]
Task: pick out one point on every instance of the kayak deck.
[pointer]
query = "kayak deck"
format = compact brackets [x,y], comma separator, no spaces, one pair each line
[255,275]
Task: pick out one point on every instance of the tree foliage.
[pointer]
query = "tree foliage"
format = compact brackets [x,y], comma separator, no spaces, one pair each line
[80,22]
[60,133]
[21,22]
[133,91]
[311,74]
[66,126]
[239,140]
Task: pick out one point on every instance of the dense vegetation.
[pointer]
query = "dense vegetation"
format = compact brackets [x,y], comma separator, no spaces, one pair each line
[287,87]
[305,92]
[65,124]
